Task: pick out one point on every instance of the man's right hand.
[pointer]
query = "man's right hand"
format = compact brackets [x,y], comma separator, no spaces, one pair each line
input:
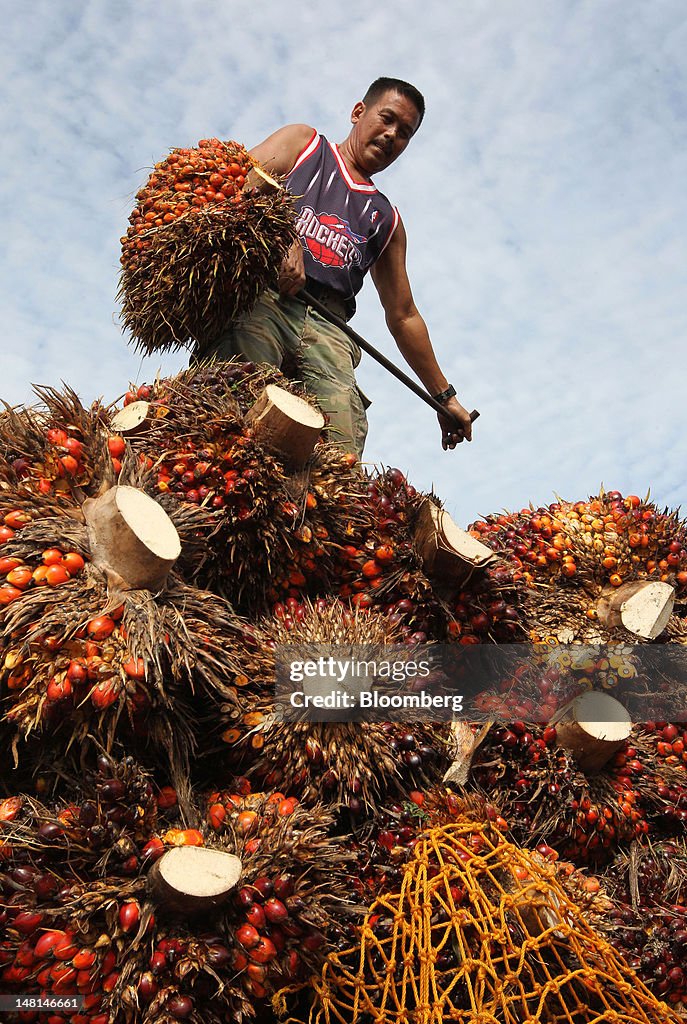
[292,271]
[452,432]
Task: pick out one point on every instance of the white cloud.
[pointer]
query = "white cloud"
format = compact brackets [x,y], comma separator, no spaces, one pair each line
[543,198]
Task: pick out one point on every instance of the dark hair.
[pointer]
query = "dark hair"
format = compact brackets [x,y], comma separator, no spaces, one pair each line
[382,85]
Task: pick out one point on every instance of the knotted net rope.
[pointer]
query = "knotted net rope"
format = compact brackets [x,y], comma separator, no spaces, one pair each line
[480,932]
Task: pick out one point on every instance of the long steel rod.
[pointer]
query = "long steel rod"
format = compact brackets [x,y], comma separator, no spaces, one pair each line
[365,345]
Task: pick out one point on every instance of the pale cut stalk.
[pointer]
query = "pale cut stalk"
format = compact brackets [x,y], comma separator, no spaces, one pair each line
[190,880]
[132,539]
[286,424]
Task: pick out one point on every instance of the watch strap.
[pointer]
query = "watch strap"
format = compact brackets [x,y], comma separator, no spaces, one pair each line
[444,396]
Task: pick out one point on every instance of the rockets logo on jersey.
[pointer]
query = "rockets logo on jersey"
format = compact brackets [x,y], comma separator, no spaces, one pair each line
[329,239]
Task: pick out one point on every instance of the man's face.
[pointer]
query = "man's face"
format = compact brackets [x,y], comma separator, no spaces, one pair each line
[382,130]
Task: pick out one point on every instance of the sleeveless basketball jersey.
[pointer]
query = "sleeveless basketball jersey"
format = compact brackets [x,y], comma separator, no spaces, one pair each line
[343,225]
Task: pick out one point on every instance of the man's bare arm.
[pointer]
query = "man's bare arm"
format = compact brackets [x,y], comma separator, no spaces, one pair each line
[279,152]
[410,333]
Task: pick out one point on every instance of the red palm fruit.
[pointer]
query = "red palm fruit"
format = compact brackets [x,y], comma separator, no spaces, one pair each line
[101,627]
[158,962]
[180,1007]
[76,671]
[134,668]
[117,446]
[247,822]
[84,958]
[147,986]
[62,974]
[27,921]
[20,577]
[109,960]
[16,519]
[264,950]
[239,960]
[275,911]
[152,850]
[283,886]
[264,886]
[59,689]
[247,936]
[105,693]
[25,956]
[129,915]
[256,972]
[255,915]
[216,816]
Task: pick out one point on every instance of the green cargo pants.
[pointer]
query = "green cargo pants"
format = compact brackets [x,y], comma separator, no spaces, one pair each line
[286,333]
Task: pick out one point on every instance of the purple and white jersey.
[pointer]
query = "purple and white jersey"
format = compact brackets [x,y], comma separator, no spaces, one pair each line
[344,225]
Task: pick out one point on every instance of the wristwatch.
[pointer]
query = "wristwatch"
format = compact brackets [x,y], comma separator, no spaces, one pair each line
[444,396]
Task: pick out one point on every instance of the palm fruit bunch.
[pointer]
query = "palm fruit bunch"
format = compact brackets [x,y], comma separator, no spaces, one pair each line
[646,917]
[348,763]
[578,549]
[291,905]
[270,534]
[477,928]
[82,916]
[545,797]
[200,247]
[50,455]
[84,651]
[381,568]
[376,564]
[669,754]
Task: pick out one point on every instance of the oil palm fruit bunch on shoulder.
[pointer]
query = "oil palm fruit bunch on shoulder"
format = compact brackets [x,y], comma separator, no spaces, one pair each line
[200,247]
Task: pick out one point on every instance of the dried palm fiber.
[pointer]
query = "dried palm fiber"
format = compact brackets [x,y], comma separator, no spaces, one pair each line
[77,872]
[200,248]
[355,763]
[480,931]
[271,532]
[569,553]
[545,797]
[81,650]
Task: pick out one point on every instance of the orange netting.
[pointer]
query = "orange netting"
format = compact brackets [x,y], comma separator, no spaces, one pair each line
[480,932]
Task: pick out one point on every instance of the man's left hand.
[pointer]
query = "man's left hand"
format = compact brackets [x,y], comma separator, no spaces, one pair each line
[292,271]
[452,432]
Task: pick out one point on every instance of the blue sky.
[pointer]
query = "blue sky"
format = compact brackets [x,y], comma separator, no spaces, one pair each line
[544,199]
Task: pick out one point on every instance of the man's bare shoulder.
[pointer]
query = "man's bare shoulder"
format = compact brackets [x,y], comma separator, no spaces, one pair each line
[280,150]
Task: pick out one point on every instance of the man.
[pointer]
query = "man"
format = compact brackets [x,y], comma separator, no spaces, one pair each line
[345,227]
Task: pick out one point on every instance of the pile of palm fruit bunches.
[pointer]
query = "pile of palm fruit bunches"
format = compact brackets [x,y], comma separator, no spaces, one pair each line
[170,851]
[170,848]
